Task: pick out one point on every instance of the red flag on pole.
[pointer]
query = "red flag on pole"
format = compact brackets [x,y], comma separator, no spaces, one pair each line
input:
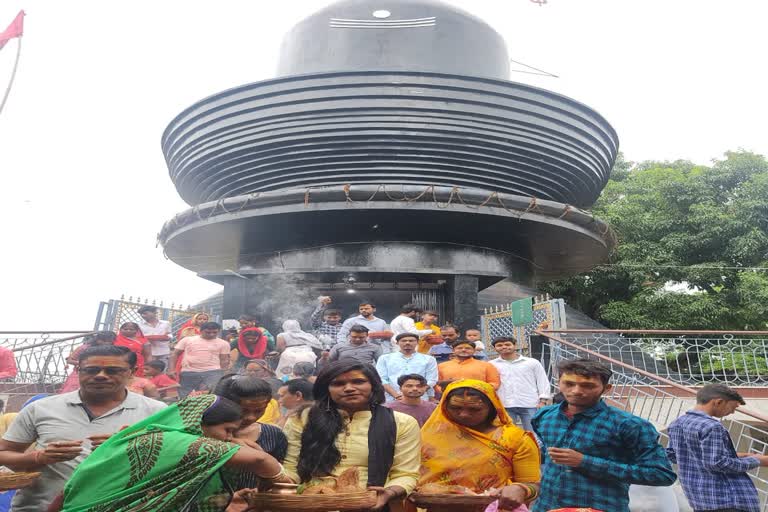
[15,29]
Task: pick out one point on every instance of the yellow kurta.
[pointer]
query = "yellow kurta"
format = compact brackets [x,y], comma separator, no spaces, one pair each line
[423,347]
[6,420]
[352,442]
[271,413]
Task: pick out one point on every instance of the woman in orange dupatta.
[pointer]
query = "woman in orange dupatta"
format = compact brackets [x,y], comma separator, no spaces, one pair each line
[131,337]
[470,442]
[189,328]
[192,326]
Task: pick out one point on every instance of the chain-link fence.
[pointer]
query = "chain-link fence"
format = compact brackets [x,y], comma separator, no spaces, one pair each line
[41,362]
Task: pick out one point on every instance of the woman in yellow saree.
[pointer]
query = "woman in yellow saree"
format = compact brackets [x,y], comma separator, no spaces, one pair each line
[471,442]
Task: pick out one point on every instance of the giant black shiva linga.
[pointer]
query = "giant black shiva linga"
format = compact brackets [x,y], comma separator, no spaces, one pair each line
[391,156]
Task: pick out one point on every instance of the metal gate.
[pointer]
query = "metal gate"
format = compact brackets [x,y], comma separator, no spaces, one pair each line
[431,300]
[497,321]
[113,313]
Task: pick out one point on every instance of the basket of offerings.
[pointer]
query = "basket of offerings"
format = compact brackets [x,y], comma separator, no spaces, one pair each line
[380,335]
[433,339]
[9,480]
[327,494]
[444,497]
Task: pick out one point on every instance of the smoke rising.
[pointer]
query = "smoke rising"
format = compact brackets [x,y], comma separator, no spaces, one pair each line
[276,298]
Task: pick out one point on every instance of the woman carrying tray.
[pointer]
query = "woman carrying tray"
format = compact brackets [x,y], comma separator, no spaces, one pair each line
[471,442]
[348,427]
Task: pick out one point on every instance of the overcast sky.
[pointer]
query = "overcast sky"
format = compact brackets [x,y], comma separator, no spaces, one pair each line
[85,186]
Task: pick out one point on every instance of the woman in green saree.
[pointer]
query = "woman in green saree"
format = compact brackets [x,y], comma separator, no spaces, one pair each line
[169,461]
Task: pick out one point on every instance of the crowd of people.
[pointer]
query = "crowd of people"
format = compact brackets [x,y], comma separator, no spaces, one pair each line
[149,421]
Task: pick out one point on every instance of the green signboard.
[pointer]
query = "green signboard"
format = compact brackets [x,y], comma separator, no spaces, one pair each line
[522,311]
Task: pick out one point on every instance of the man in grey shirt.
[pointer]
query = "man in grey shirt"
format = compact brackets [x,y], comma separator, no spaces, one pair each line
[357,347]
[66,428]
[367,319]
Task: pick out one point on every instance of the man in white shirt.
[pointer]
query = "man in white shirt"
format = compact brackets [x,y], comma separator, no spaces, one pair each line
[157,332]
[405,323]
[524,384]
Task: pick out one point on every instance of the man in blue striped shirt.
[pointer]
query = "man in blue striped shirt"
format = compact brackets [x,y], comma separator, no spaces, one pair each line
[713,475]
[593,452]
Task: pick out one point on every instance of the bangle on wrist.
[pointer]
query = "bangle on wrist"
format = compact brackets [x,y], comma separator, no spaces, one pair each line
[276,476]
[530,491]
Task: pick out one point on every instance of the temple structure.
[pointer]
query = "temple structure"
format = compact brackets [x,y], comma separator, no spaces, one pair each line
[390,160]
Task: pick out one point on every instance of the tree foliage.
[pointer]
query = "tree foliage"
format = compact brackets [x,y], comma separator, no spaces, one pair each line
[690,237]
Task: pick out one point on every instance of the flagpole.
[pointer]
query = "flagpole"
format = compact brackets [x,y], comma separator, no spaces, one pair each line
[13,75]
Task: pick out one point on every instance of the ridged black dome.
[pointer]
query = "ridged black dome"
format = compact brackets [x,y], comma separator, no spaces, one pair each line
[404,35]
[392,128]
[391,147]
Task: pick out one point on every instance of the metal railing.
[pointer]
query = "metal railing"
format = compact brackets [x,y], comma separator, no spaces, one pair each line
[686,357]
[656,398]
[41,362]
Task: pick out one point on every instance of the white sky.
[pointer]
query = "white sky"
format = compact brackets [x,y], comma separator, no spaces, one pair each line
[85,186]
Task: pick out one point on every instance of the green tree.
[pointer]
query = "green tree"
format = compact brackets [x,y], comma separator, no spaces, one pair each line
[690,237]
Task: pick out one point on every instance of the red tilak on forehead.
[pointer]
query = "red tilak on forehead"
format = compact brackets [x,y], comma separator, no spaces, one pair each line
[465,395]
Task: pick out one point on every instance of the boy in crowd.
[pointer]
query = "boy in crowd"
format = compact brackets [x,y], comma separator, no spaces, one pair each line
[206,357]
[326,323]
[593,452]
[412,389]
[465,366]
[168,387]
[428,321]
[714,477]
[524,383]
